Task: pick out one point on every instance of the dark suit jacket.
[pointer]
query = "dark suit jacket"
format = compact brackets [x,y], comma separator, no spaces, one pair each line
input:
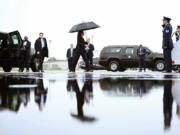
[142,51]
[90,51]
[38,46]
[68,55]
[80,44]
[27,48]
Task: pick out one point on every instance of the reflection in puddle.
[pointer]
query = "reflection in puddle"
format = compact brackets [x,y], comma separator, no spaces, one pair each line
[123,105]
[14,92]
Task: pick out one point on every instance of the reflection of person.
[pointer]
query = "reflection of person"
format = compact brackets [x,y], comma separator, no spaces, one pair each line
[141,87]
[40,94]
[89,51]
[80,51]
[41,49]
[141,52]
[167,103]
[26,46]
[81,96]
[70,56]
[167,44]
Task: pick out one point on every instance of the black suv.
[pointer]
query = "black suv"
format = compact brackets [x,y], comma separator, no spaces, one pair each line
[11,52]
[121,57]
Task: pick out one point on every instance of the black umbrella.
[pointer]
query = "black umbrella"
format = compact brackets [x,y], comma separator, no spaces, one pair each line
[84,26]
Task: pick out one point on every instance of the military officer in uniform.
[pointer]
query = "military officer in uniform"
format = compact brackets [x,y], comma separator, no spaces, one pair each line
[70,55]
[167,44]
[141,53]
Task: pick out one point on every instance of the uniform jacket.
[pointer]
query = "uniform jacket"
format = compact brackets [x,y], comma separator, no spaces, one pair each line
[38,46]
[167,37]
[90,51]
[68,55]
[143,50]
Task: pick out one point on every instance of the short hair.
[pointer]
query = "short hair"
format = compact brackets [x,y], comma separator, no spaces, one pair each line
[41,33]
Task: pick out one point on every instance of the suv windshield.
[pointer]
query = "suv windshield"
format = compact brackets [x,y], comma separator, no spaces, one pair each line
[1,42]
[15,39]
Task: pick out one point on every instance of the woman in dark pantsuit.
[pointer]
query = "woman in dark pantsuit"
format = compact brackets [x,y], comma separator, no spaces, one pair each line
[80,51]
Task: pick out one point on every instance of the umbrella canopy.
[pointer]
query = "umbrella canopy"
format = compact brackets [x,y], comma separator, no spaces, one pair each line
[84,26]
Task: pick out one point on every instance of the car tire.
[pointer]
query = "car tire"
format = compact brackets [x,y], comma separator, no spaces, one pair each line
[113,66]
[159,65]
[35,64]
[7,68]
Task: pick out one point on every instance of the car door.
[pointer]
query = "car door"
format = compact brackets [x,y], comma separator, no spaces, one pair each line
[149,57]
[14,47]
[129,57]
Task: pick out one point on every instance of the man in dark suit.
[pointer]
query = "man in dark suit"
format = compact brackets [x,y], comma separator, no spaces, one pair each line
[141,52]
[89,52]
[26,50]
[167,44]
[70,56]
[41,50]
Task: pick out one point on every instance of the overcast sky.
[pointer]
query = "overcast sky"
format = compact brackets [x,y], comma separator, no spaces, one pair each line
[122,21]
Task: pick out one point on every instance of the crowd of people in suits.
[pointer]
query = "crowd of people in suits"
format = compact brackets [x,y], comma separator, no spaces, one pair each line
[41,51]
[84,49]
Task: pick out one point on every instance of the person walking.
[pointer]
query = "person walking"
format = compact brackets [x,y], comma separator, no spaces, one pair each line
[167,44]
[80,51]
[89,52]
[41,50]
[26,50]
[70,55]
[141,52]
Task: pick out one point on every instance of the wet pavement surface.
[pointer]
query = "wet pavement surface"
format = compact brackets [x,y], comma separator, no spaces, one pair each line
[99,103]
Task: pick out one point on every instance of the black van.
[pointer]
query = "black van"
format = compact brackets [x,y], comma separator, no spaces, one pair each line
[11,52]
[121,57]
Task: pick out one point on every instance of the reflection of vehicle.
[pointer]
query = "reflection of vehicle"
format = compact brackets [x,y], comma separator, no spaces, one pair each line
[15,91]
[11,52]
[121,87]
[121,57]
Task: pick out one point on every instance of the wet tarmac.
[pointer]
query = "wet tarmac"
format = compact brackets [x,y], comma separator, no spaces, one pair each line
[99,103]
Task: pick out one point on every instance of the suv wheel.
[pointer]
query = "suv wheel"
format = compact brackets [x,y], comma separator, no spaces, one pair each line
[113,66]
[7,68]
[159,65]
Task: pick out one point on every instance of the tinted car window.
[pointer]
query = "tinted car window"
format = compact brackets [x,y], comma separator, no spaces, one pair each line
[113,50]
[1,41]
[15,39]
[129,50]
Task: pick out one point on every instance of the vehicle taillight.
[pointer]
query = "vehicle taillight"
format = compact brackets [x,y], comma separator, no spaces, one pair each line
[99,56]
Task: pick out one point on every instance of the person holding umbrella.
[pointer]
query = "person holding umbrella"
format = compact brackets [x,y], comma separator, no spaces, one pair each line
[80,51]
[81,44]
